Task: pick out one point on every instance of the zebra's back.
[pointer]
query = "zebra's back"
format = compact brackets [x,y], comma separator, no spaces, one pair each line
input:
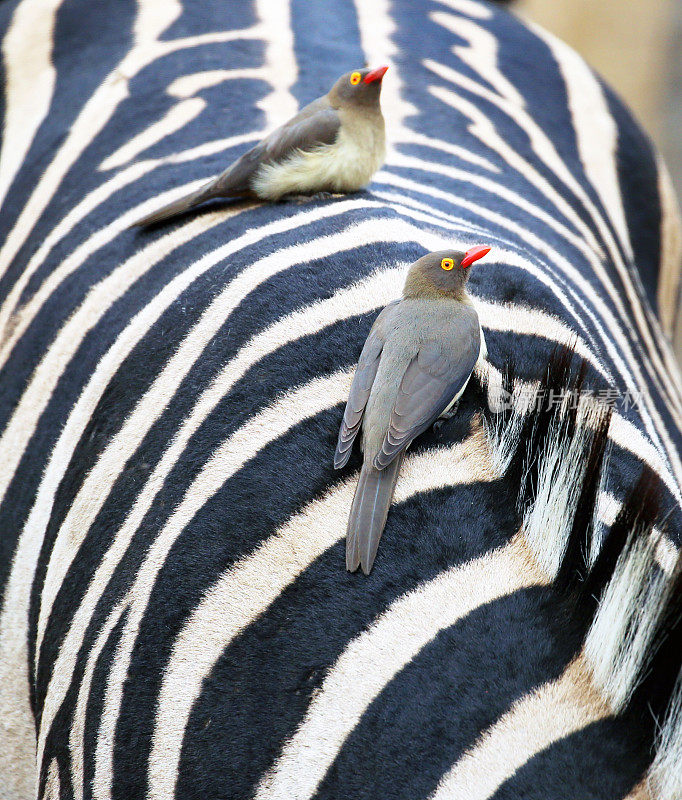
[176,614]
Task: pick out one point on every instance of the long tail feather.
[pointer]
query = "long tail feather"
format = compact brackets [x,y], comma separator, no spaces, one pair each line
[178,207]
[368,514]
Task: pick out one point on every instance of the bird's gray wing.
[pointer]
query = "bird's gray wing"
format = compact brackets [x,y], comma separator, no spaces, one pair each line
[360,389]
[433,378]
[316,124]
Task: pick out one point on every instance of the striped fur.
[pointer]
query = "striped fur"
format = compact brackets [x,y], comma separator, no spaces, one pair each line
[176,617]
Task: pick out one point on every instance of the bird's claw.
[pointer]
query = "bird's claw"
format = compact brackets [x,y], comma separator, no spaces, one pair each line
[306,198]
[445,416]
[450,412]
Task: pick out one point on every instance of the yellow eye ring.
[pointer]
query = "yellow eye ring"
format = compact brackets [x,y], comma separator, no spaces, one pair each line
[447,263]
[355,78]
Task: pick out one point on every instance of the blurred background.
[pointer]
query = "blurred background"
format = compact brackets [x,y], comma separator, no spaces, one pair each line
[636,45]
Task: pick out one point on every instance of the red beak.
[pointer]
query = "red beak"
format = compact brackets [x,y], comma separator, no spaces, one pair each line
[473,254]
[375,75]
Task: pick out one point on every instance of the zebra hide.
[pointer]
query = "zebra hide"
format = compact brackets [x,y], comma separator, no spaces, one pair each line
[176,617]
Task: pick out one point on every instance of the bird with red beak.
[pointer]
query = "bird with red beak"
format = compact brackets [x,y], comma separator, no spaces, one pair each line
[334,144]
[413,368]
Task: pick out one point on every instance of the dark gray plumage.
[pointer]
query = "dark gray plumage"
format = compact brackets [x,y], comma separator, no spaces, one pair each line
[415,364]
[335,144]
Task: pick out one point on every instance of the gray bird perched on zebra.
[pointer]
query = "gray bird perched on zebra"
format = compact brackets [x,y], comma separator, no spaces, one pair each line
[334,144]
[413,368]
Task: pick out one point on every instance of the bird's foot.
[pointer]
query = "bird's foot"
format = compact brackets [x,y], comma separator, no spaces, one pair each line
[451,411]
[306,198]
[296,198]
[445,416]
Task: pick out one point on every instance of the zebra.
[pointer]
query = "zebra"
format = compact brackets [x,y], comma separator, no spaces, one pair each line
[176,617]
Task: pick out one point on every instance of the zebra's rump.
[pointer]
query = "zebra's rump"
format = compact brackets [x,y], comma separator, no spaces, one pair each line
[177,619]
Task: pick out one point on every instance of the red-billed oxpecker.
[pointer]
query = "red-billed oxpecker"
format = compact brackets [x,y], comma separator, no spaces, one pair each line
[334,144]
[413,368]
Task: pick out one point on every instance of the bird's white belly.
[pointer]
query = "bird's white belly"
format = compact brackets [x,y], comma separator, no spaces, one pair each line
[345,166]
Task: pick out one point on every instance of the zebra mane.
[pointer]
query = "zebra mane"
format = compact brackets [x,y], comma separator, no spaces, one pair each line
[617,573]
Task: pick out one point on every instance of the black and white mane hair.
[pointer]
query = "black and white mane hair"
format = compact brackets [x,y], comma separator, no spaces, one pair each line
[176,617]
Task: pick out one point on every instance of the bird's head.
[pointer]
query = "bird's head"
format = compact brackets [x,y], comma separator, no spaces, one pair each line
[442,274]
[361,87]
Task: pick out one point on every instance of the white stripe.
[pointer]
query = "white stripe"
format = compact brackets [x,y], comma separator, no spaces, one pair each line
[376,35]
[421,212]
[13,321]
[188,85]
[29,82]
[76,749]
[78,725]
[245,591]
[469,7]
[372,659]
[52,783]
[481,54]
[454,150]
[154,16]
[176,118]
[531,322]
[595,130]
[551,712]
[670,264]
[628,436]
[280,62]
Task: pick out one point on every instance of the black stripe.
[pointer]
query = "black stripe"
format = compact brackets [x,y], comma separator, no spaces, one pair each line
[603,761]
[405,743]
